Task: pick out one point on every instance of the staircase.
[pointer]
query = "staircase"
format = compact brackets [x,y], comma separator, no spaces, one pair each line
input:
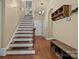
[23,39]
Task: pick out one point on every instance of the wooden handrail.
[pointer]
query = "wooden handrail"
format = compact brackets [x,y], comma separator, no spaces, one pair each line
[33,31]
[34,34]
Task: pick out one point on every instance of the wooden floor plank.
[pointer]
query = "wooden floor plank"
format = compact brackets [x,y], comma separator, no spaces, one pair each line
[42,48]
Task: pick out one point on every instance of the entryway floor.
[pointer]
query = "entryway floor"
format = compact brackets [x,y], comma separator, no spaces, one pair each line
[42,48]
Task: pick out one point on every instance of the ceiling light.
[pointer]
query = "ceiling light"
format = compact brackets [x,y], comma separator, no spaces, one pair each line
[41,3]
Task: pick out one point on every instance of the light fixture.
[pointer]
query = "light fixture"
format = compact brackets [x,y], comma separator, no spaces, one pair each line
[41,3]
[41,12]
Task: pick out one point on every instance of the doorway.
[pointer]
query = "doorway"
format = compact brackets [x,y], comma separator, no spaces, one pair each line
[29,7]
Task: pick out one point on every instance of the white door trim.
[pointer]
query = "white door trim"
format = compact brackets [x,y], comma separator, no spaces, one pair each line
[2,50]
[0,23]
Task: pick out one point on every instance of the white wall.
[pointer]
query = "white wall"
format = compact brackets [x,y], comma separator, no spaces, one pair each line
[63,30]
[45,26]
[14,12]
[66,31]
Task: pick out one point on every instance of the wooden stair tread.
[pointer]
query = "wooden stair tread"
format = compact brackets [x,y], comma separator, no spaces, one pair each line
[22,42]
[20,48]
[23,33]
[26,25]
[23,37]
[24,30]
[26,22]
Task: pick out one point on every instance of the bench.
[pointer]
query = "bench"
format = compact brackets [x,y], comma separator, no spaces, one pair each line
[62,50]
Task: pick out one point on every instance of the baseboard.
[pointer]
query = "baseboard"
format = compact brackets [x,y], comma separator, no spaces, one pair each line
[2,51]
[50,38]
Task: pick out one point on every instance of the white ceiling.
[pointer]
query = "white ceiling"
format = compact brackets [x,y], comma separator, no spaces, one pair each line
[37,5]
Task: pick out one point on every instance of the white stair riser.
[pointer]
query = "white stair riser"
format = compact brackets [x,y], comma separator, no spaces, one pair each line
[21,52]
[25,28]
[24,32]
[23,40]
[27,22]
[24,35]
[25,25]
[21,45]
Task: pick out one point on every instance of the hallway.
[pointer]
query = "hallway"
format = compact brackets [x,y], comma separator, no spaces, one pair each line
[42,48]
[38,29]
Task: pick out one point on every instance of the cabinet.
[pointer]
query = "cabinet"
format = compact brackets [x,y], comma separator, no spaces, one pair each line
[60,13]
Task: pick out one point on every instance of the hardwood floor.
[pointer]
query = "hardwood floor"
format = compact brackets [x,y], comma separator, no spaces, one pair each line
[42,48]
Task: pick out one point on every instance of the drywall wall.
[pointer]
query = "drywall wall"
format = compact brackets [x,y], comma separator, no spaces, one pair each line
[13,13]
[45,25]
[63,30]
[66,31]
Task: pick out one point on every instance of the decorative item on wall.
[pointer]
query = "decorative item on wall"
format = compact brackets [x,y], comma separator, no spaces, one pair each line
[39,12]
[68,18]
[74,11]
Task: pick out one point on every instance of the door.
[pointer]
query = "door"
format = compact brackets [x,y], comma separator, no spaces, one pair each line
[38,24]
